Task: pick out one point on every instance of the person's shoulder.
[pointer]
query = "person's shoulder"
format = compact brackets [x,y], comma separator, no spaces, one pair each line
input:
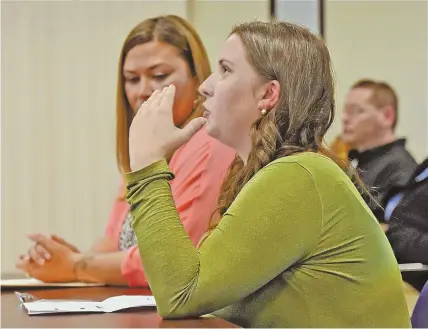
[312,165]
[401,161]
[307,160]
[400,154]
[295,173]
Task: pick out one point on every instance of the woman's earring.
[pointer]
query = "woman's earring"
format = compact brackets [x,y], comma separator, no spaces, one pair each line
[264,112]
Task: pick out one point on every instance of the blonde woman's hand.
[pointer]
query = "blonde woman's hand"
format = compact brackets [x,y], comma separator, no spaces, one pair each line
[153,135]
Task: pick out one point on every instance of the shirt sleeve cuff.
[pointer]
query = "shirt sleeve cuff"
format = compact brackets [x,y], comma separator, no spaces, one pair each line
[158,168]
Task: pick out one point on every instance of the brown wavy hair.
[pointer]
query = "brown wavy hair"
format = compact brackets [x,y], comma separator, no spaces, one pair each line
[300,61]
[172,30]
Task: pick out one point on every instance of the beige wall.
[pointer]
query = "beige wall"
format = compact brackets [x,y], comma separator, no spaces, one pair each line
[215,19]
[384,40]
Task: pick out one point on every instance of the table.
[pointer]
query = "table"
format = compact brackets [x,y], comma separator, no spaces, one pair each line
[13,315]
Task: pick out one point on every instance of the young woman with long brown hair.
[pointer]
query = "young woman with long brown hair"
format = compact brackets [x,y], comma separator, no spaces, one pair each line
[296,246]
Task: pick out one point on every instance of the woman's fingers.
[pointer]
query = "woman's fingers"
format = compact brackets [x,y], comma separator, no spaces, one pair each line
[37,254]
[167,101]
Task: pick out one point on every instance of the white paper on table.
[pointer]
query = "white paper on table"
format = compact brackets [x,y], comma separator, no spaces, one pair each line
[30,283]
[112,304]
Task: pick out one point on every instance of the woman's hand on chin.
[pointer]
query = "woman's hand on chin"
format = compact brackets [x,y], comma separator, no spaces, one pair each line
[153,135]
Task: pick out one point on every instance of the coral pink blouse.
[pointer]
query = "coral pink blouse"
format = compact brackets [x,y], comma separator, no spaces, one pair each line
[199,167]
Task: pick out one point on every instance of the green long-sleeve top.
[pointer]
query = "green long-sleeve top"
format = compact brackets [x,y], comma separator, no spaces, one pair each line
[297,248]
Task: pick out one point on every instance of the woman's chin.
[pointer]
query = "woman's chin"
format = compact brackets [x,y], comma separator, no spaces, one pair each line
[210,129]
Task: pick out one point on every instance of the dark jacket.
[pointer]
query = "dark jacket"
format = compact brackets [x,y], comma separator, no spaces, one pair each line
[382,168]
[408,225]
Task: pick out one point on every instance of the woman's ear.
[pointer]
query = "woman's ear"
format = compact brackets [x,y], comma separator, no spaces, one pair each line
[270,95]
